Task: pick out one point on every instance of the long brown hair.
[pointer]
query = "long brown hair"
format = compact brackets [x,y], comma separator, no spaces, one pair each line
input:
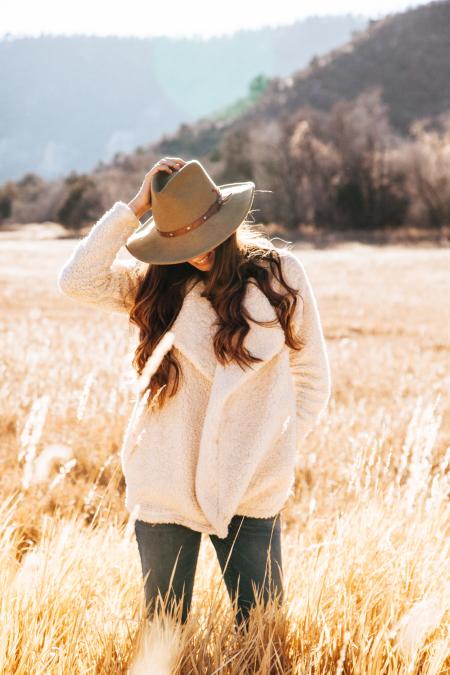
[247,253]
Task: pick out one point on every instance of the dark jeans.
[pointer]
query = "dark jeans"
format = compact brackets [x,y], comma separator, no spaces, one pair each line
[249,555]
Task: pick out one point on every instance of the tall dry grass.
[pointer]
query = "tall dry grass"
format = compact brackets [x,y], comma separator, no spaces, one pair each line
[365,537]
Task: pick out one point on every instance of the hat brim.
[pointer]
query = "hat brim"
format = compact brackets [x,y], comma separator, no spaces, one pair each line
[147,245]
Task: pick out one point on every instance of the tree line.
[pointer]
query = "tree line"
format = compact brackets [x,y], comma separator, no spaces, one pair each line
[336,170]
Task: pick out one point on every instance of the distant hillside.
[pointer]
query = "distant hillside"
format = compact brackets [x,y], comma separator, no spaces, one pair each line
[331,145]
[69,102]
[407,55]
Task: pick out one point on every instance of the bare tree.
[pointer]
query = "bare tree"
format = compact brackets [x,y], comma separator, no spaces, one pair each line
[426,162]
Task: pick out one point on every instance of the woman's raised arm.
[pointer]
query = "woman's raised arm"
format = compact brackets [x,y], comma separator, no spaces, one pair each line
[92,275]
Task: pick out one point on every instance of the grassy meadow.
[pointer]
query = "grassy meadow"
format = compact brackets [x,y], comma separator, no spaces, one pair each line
[366,537]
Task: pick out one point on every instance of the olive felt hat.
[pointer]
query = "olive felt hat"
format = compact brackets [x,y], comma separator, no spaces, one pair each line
[191,214]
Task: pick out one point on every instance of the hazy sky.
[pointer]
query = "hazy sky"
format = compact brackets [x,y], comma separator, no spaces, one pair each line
[175,17]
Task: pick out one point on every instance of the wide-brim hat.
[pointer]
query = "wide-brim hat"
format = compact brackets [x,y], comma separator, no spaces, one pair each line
[191,214]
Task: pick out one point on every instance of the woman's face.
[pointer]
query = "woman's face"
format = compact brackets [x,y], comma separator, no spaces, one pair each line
[203,262]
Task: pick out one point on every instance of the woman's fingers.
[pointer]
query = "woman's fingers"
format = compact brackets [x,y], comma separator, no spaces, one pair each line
[172,163]
[168,164]
[174,160]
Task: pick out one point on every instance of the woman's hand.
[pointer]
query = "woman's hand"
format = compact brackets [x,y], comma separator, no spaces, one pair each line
[142,201]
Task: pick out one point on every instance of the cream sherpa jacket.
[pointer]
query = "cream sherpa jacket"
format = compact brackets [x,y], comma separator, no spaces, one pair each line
[228,441]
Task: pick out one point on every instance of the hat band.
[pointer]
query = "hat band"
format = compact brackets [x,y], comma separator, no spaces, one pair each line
[215,206]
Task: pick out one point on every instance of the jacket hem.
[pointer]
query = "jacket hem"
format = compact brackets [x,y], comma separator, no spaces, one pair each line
[250,513]
[150,515]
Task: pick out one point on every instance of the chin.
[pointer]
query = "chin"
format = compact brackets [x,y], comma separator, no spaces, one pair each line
[203,268]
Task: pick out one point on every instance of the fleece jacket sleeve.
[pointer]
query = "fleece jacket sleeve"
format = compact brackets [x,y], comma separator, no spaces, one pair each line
[310,365]
[93,274]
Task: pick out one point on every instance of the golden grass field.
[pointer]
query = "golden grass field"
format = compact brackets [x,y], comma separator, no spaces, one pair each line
[365,537]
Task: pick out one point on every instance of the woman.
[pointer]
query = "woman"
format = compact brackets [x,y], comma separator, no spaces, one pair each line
[212,442]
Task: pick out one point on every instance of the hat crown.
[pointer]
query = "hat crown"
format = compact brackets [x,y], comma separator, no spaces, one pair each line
[183,196]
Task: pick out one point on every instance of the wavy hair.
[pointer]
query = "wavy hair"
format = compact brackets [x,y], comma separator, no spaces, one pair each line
[246,254]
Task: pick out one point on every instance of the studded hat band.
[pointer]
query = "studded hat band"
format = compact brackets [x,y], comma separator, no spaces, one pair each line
[215,206]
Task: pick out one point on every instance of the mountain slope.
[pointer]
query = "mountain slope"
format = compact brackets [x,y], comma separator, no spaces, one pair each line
[69,101]
[406,54]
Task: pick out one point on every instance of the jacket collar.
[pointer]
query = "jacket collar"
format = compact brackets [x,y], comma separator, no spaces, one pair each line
[195,327]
